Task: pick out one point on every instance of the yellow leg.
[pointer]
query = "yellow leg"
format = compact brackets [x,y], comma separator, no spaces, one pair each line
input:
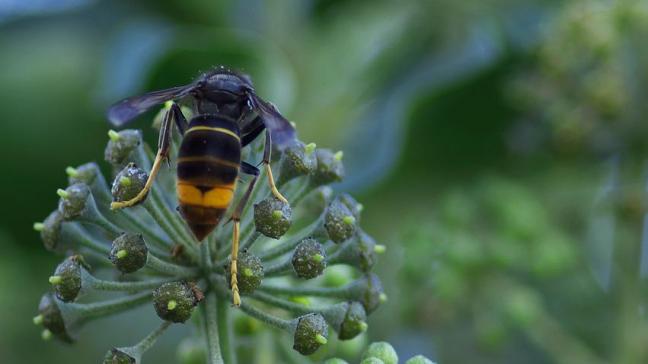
[236,299]
[159,158]
[273,187]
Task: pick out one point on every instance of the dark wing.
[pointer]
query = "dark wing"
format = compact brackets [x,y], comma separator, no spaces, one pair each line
[128,109]
[281,131]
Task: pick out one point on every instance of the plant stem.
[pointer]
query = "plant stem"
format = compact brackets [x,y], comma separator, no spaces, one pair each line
[225,331]
[161,266]
[150,340]
[103,285]
[210,329]
[265,317]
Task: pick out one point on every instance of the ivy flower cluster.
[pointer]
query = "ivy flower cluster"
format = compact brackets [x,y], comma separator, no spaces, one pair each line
[145,255]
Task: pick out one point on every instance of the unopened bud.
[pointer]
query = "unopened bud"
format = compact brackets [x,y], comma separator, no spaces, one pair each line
[129,252]
[272,217]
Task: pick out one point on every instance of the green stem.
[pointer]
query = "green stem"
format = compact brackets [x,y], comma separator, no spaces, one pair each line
[281,303]
[265,317]
[210,329]
[104,285]
[279,268]
[88,311]
[85,239]
[337,292]
[205,256]
[161,266]
[155,212]
[225,331]
[150,340]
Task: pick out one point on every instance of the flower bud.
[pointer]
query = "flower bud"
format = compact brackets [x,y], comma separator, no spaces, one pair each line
[311,332]
[85,173]
[129,252]
[419,359]
[128,183]
[368,291]
[67,279]
[297,160]
[175,301]
[329,167]
[249,272]
[335,361]
[339,222]
[352,204]
[372,360]
[120,147]
[272,217]
[360,252]
[383,351]
[348,319]
[309,259]
[74,200]
[117,356]
[50,231]
[51,319]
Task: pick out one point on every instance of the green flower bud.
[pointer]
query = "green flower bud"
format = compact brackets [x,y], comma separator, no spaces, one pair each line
[116,356]
[348,319]
[120,147]
[85,173]
[175,301]
[51,319]
[50,232]
[128,183]
[67,279]
[296,160]
[309,259]
[311,332]
[338,275]
[129,252]
[335,361]
[359,252]
[329,167]
[419,359]
[369,291]
[250,272]
[272,217]
[383,351]
[74,201]
[372,360]
[339,222]
[352,204]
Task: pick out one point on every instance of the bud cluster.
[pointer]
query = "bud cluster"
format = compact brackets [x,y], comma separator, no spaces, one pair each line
[146,255]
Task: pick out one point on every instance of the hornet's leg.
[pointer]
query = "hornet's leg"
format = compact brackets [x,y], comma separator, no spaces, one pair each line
[266,161]
[164,143]
[236,218]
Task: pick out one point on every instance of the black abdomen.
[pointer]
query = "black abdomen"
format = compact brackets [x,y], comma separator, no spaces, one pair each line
[208,165]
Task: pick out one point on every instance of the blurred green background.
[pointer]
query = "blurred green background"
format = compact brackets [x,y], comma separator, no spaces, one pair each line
[499,148]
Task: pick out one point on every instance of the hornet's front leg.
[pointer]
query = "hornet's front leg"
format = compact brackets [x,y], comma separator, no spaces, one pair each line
[164,142]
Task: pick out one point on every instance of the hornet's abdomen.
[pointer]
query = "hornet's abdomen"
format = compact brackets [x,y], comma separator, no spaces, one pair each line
[208,166]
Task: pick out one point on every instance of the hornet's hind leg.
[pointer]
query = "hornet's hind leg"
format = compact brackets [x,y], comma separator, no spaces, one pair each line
[164,143]
[236,218]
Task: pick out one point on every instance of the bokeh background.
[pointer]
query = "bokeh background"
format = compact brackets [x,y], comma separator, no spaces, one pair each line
[499,148]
